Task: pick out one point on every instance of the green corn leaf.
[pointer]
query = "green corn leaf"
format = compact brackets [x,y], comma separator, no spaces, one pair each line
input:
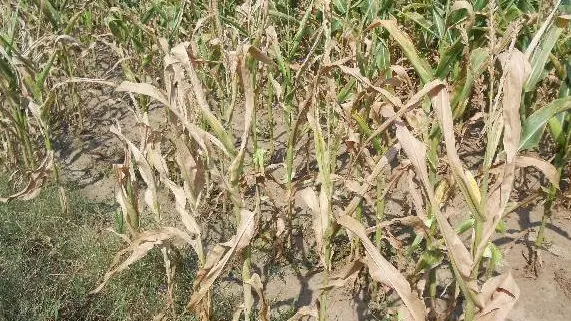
[476,66]
[300,31]
[541,53]
[364,127]
[448,58]
[557,122]
[429,259]
[534,125]
[465,225]
[422,22]
[438,19]
[420,64]
[51,13]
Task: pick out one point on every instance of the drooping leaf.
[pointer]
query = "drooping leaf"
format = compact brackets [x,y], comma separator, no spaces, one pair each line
[545,167]
[383,271]
[139,247]
[36,181]
[218,257]
[516,70]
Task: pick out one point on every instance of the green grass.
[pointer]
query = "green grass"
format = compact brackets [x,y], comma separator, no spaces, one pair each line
[48,264]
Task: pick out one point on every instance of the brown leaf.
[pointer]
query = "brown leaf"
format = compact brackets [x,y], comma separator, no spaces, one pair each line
[416,196]
[346,274]
[247,83]
[37,180]
[545,167]
[383,271]
[499,295]
[144,89]
[256,283]
[145,170]
[306,311]
[516,70]
[219,256]
[441,104]
[459,254]
[139,247]
[192,172]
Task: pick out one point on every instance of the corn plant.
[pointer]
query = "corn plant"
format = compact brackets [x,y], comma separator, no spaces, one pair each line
[359,97]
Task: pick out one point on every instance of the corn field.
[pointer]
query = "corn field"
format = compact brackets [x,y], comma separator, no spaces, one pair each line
[281,116]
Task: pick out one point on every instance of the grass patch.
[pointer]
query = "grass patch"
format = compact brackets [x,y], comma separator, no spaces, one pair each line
[49,263]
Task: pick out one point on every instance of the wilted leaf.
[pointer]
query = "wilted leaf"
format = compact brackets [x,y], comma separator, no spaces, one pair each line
[139,247]
[441,104]
[383,271]
[218,257]
[145,170]
[144,89]
[461,258]
[344,275]
[247,83]
[516,71]
[320,217]
[306,311]
[191,171]
[256,283]
[499,295]
[180,53]
[36,182]
[545,167]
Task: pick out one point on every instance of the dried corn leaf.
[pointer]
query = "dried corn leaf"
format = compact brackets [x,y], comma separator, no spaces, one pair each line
[383,271]
[218,257]
[145,170]
[191,171]
[545,167]
[37,179]
[256,283]
[441,104]
[516,71]
[144,89]
[499,295]
[320,218]
[180,53]
[139,247]
[459,254]
[248,85]
[306,311]
[339,279]
[187,220]
[416,196]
